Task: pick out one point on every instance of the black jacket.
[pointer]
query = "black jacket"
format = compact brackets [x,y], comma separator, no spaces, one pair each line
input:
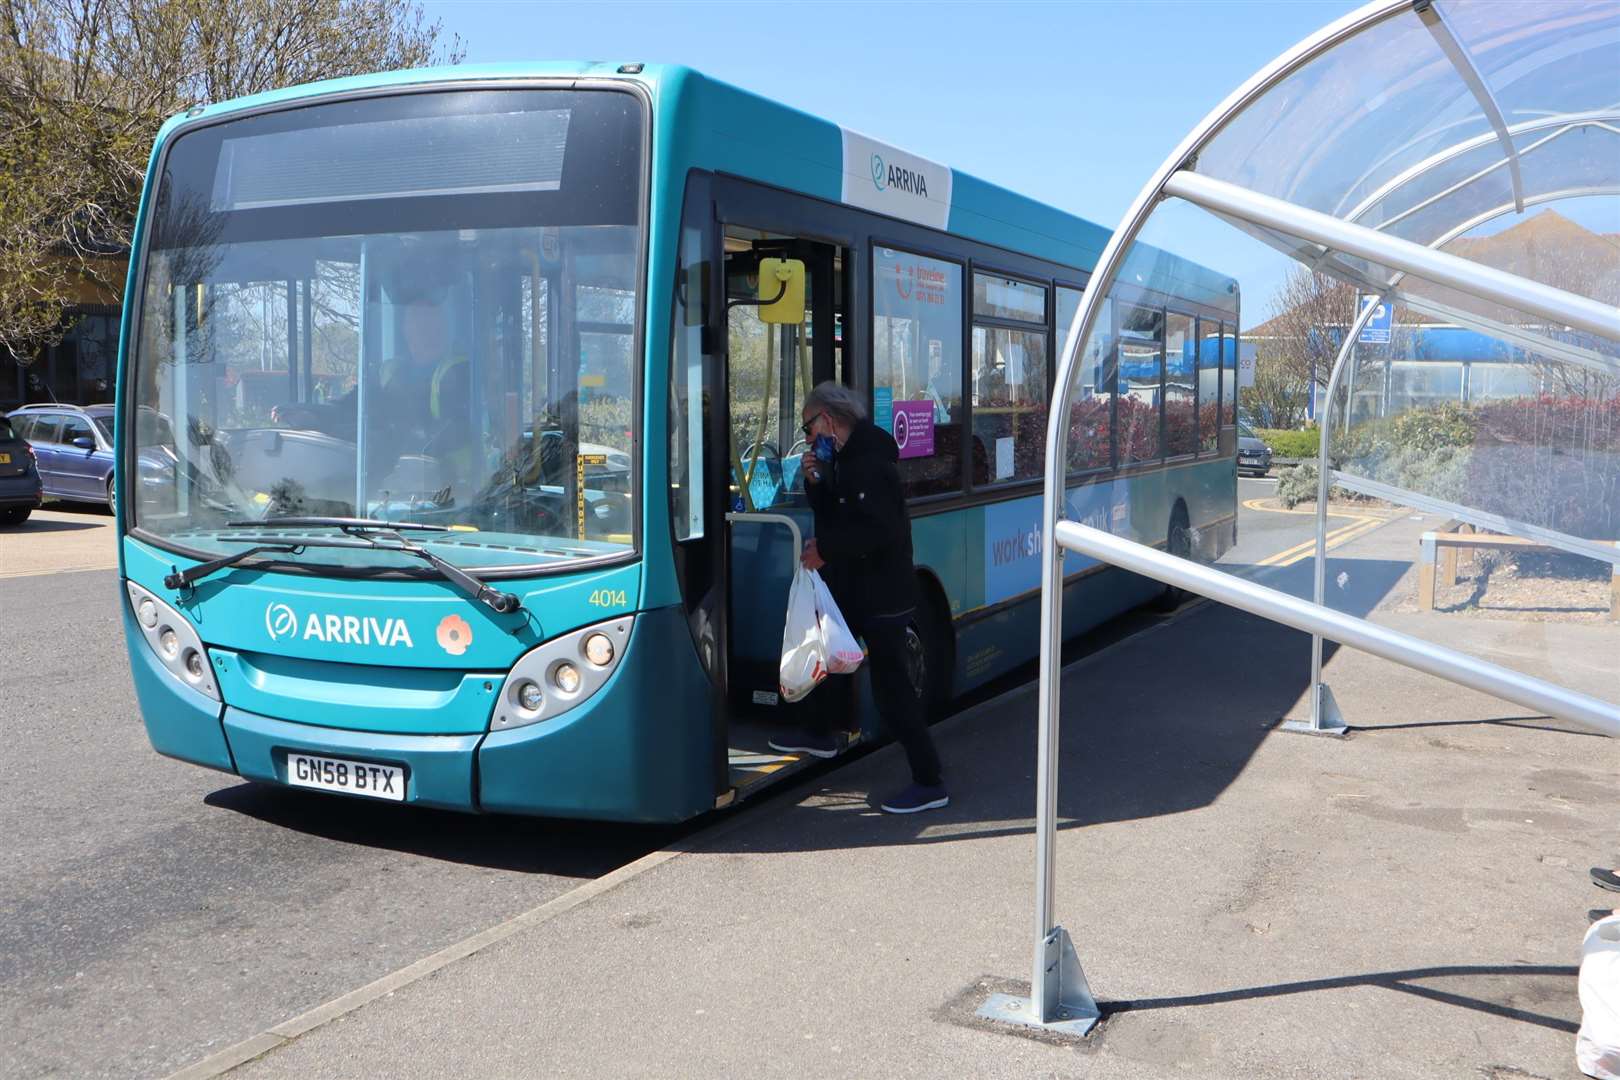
[862,530]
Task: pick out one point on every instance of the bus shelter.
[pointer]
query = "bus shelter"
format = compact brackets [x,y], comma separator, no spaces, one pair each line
[1419,171]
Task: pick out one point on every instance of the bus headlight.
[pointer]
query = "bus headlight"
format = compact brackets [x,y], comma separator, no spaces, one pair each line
[599,650]
[565,677]
[173,641]
[552,678]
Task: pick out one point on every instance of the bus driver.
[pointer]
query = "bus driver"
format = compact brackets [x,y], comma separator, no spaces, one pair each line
[418,403]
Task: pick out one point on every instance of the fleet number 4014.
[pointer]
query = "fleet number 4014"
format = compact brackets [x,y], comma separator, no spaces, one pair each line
[608,598]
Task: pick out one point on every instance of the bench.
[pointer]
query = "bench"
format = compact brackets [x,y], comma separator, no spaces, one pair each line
[1439,560]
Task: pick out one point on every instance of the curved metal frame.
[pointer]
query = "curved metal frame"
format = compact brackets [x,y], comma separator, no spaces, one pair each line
[1046,1006]
[1060,999]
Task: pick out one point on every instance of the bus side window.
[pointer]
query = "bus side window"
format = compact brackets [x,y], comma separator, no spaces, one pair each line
[917,366]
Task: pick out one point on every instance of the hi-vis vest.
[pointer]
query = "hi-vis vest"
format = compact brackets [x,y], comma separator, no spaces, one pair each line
[460,458]
[435,384]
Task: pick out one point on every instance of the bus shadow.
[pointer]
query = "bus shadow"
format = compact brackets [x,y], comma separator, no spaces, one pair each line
[575,849]
[1161,724]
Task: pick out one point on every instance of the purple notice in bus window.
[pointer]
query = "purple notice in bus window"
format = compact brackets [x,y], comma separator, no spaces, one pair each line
[914,428]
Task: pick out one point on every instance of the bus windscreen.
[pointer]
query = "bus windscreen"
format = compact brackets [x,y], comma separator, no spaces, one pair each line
[382,308]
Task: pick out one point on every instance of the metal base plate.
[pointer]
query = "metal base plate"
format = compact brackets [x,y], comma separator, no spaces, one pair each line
[1328,709]
[1071,1010]
[1015,1010]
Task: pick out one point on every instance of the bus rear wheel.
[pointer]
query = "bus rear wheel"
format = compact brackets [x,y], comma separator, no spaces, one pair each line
[929,655]
[1178,542]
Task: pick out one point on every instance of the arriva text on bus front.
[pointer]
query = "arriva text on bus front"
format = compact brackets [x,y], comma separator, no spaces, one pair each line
[282,622]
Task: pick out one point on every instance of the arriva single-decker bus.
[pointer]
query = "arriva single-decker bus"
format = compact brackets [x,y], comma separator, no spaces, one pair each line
[458,427]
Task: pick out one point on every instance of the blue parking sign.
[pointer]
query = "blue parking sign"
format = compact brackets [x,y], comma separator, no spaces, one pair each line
[1376,332]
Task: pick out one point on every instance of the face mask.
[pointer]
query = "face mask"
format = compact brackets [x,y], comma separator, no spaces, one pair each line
[825,447]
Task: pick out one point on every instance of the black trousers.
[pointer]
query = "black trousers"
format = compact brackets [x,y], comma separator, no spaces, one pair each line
[903,714]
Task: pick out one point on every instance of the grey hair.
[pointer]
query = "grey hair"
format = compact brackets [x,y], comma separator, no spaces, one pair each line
[837,399]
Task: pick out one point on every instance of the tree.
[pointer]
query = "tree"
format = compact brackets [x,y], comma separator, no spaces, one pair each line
[1310,315]
[85,85]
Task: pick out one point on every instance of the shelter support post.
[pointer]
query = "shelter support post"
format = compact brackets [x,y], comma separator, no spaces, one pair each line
[1060,999]
[1325,716]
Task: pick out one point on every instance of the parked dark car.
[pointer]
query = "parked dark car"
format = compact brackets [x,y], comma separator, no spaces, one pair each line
[1253,454]
[74,446]
[19,476]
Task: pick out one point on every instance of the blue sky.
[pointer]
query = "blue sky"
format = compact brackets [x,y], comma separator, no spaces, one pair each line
[1074,104]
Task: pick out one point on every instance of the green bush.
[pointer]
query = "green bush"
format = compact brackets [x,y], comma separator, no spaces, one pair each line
[1447,425]
[1291,444]
[1298,485]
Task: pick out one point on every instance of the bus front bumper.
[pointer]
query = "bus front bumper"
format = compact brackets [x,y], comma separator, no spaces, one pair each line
[438,769]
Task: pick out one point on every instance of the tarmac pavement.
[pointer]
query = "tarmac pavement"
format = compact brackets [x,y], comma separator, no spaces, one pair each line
[1404,902]
[58,538]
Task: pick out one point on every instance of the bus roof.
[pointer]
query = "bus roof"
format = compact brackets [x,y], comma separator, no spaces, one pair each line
[706,123]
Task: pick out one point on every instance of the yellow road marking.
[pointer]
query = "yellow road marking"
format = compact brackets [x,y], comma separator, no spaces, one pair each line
[1260,505]
[1361,526]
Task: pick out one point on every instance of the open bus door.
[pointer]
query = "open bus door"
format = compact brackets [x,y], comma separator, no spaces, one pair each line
[772,359]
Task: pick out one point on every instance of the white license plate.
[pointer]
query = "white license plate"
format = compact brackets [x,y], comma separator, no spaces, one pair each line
[350,777]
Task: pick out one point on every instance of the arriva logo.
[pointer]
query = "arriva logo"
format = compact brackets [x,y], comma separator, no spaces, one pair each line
[280,621]
[886,176]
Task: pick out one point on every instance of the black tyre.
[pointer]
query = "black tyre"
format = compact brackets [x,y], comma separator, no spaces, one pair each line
[930,653]
[112,500]
[1178,542]
[16,515]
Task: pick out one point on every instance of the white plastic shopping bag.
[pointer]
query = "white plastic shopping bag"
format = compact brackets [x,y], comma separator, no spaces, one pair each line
[804,652]
[843,651]
[1597,1044]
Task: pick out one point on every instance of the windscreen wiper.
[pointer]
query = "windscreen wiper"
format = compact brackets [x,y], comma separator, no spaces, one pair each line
[368,531]
[347,524]
[503,602]
[182,579]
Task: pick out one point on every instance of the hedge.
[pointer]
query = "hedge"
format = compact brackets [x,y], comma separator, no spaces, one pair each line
[1290,444]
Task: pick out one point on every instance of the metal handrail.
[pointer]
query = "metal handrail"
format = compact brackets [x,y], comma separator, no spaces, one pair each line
[761,518]
[1533,693]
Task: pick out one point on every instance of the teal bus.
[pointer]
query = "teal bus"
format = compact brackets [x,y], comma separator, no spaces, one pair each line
[458,434]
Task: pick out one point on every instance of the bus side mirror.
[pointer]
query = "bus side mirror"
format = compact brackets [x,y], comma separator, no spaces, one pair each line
[781,290]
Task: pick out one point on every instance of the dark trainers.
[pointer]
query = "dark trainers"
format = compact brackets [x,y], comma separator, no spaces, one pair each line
[1604,878]
[916,798]
[1598,914]
[805,742]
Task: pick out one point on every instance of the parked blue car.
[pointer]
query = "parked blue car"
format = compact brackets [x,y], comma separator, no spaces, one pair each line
[74,445]
[19,477]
